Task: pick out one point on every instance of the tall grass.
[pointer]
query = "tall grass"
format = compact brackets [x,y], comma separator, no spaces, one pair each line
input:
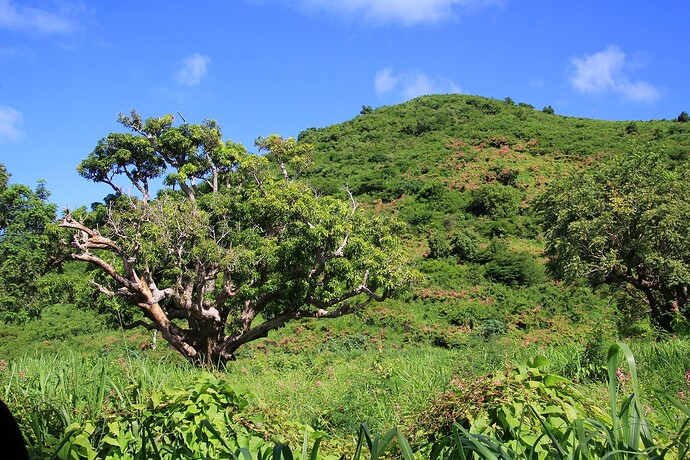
[336,391]
[48,393]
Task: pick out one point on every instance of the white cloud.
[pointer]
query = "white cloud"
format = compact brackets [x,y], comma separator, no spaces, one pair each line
[408,85]
[26,18]
[384,81]
[194,69]
[604,72]
[406,12]
[10,119]
[639,91]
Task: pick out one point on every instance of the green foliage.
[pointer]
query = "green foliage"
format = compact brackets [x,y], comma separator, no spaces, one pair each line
[465,245]
[506,176]
[624,223]
[58,324]
[366,109]
[202,419]
[141,405]
[631,128]
[29,248]
[505,423]
[242,240]
[440,246]
[493,327]
[496,200]
[514,268]
[509,406]
[341,149]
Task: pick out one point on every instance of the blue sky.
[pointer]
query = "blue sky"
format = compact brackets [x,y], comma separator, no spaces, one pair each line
[68,67]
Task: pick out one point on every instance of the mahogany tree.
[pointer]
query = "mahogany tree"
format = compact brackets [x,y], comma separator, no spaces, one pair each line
[235,245]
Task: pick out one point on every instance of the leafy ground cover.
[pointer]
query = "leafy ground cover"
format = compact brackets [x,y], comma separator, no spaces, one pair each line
[74,406]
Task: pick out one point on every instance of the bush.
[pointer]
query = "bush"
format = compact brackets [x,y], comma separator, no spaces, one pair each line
[631,128]
[514,268]
[470,314]
[439,246]
[495,200]
[205,419]
[465,245]
[493,327]
[505,176]
[508,405]
[529,414]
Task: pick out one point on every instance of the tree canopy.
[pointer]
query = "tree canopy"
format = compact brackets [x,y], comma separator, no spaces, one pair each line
[625,223]
[235,245]
[28,247]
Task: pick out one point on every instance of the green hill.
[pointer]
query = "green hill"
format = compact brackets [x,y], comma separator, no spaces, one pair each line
[461,172]
[465,141]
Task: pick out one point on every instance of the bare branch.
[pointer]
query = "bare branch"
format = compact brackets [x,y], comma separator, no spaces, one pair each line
[106,267]
[353,202]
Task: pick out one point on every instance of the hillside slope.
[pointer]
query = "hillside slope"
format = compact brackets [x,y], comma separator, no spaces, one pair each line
[462,141]
[461,172]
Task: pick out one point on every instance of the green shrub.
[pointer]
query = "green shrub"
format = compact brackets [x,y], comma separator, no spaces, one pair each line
[492,327]
[496,200]
[514,268]
[440,246]
[518,226]
[464,245]
[505,176]
[471,314]
[203,419]
[348,342]
[508,406]
[444,273]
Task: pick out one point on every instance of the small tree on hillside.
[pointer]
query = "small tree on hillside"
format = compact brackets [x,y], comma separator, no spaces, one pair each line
[235,246]
[624,223]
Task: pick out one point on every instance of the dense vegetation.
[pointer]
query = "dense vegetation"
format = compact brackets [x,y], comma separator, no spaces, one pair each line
[534,236]
[242,248]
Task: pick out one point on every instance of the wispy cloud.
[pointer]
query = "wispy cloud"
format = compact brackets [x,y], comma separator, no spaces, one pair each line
[604,72]
[13,52]
[406,12]
[404,86]
[194,69]
[10,119]
[385,81]
[36,20]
